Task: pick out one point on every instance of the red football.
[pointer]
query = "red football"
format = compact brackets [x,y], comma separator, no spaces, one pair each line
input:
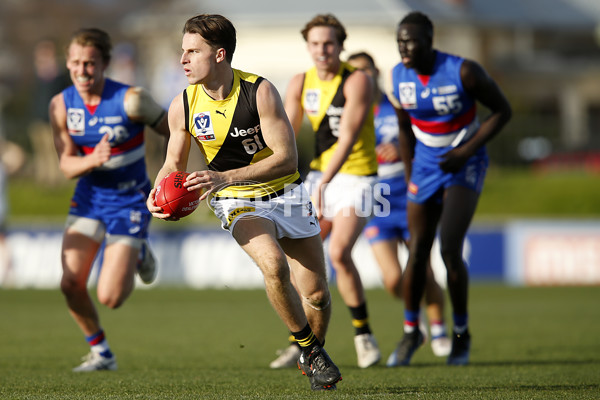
[174,198]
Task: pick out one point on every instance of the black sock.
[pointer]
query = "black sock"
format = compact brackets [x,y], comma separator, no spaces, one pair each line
[293,341]
[306,339]
[360,319]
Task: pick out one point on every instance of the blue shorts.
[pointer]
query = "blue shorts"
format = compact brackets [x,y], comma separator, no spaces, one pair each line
[122,213]
[428,181]
[389,216]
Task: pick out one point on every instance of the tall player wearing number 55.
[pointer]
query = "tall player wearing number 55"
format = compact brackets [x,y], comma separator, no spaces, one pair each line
[98,128]
[238,121]
[443,150]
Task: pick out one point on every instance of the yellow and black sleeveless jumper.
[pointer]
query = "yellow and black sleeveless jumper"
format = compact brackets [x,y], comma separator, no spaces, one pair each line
[324,102]
[229,135]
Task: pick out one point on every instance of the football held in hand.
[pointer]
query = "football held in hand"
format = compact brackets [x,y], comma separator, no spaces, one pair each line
[174,198]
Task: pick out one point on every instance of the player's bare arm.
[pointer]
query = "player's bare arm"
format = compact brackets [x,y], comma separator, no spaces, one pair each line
[293,102]
[358,91]
[478,83]
[278,136]
[178,150]
[406,140]
[482,87]
[406,137]
[141,107]
[71,163]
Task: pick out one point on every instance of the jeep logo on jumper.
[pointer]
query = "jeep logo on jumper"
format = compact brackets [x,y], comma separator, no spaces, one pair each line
[334,111]
[244,132]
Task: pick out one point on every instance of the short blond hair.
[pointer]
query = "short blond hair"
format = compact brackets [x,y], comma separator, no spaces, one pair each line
[326,20]
[96,38]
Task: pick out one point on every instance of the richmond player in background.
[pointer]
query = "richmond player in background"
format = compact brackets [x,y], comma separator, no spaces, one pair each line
[338,102]
[239,123]
[98,128]
[442,145]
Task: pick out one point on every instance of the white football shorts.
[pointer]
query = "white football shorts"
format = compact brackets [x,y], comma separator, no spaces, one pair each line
[292,212]
[348,193]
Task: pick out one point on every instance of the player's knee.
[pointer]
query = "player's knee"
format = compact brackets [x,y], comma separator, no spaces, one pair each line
[420,255]
[70,286]
[110,300]
[319,301]
[394,286]
[340,257]
[452,258]
[276,272]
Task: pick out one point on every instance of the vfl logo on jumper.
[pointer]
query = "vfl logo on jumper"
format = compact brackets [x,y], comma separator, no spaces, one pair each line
[408,95]
[312,100]
[75,121]
[203,126]
[239,211]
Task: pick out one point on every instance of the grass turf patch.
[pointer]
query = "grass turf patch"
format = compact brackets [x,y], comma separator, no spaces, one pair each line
[534,343]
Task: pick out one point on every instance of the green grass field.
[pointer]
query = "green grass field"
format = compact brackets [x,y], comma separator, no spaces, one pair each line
[528,343]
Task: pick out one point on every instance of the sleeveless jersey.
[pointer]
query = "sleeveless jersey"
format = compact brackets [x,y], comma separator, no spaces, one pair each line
[442,114]
[126,168]
[324,102]
[229,134]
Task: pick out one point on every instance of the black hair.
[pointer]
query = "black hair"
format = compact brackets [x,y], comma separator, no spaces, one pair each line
[418,18]
[362,54]
[216,30]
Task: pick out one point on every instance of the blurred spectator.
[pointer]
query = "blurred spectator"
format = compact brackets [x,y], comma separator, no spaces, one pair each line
[50,79]
[11,159]
[4,251]
[123,67]
[168,80]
